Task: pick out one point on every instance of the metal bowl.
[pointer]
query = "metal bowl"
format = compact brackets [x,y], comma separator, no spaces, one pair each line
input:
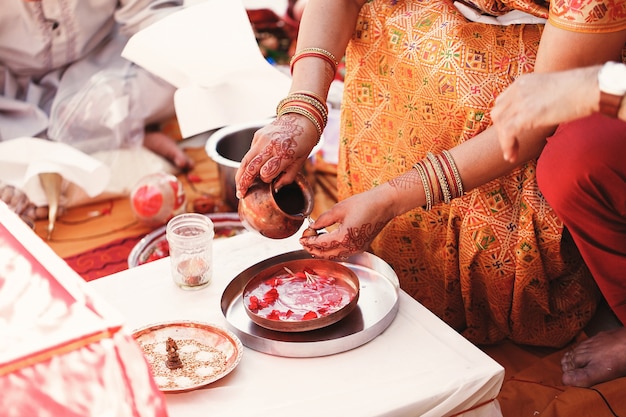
[301,295]
[154,245]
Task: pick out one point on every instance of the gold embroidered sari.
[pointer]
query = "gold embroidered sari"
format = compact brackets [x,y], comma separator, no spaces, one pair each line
[495,263]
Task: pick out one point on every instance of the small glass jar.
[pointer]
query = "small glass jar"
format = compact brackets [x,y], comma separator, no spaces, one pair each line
[190,239]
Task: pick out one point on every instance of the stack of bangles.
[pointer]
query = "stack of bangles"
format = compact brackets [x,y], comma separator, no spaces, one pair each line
[307,104]
[440,178]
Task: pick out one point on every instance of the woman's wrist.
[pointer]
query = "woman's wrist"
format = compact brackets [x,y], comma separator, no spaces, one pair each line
[403,193]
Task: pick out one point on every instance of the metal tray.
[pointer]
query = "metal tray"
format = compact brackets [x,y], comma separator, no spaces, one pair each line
[154,245]
[375,310]
[208,353]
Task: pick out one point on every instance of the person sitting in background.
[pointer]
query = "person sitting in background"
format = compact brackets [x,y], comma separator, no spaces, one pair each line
[582,174]
[421,177]
[62,76]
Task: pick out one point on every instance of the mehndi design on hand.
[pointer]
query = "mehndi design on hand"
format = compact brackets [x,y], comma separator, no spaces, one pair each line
[355,240]
[280,148]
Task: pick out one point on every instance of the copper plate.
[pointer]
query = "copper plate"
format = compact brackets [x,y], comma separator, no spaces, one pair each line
[208,353]
[332,294]
[377,307]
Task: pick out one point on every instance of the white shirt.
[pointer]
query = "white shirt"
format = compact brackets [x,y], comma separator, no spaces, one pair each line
[51,48]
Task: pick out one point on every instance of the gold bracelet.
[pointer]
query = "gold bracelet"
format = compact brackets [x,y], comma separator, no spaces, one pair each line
[312,95]
[314,52]
[455,172]
[294,97]
[304,112]
[431,175]
[426,184]
[443,181]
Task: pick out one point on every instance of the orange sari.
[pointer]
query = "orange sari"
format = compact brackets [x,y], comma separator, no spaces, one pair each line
[495,263]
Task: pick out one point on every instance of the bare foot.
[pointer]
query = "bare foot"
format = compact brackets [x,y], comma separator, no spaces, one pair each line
[598,359]
[163,145]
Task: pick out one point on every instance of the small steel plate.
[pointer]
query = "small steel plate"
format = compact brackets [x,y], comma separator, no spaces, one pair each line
[207,352]
[376,308]
[283,298]
[154,245]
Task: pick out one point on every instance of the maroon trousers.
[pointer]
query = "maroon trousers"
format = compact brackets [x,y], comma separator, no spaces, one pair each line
[582,174]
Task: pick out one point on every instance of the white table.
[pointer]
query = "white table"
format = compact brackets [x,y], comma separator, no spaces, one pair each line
[417,367]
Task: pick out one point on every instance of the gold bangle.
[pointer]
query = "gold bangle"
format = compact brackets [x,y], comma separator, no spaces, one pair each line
[426,185]
[294,97]
[321,118]
[443,181]
[312,95]
[304,112]
[455,172]
[431,175]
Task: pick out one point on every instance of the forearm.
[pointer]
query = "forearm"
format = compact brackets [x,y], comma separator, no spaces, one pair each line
[329,25]
[478,161]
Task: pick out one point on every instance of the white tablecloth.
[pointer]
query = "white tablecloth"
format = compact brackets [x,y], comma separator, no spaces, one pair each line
[417,367]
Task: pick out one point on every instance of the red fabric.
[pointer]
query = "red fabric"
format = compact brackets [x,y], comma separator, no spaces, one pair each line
[63,353]
[104,260]
[582,174]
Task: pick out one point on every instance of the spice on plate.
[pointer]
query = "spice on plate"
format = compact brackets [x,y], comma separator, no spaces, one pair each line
[202,363]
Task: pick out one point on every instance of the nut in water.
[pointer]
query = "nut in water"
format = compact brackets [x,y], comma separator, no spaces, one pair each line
[194,271]
[309,232]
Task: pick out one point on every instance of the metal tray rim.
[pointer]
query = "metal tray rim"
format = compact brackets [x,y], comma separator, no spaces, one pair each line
[314,343]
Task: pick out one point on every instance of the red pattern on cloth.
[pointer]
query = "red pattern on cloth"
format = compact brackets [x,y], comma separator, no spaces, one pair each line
[104,260]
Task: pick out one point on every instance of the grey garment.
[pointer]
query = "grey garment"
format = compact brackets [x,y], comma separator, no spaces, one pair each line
[61,73]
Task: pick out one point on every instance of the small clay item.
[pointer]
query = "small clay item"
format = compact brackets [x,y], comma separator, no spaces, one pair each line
[309,232]
[173,360]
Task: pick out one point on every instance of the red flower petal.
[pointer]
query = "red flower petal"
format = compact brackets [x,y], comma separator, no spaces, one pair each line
[309,315]
[253,305]
[271,296]
[274,315]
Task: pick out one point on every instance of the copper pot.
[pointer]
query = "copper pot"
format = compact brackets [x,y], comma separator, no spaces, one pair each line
[227,147]
[276,214]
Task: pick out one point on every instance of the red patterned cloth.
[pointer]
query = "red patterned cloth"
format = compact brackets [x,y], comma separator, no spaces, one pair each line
[104,260]
[65,351]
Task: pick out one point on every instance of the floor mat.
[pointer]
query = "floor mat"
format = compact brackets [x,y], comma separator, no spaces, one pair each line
[104,260]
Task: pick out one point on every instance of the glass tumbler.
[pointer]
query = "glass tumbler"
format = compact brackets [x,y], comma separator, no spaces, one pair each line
[190,239]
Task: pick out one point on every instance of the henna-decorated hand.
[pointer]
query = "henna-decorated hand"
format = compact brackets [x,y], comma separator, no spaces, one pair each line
[281,147]
[359,218]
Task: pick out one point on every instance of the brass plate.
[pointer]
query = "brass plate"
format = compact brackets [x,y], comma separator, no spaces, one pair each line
[208,353]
